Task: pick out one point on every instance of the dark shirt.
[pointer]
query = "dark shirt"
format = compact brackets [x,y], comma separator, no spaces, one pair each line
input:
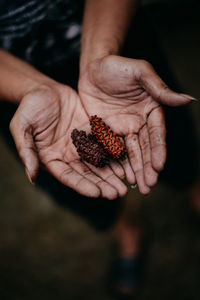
[44,33]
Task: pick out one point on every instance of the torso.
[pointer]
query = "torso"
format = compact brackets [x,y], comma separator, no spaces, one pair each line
[41,32]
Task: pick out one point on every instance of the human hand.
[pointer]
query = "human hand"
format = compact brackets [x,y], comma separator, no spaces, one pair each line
[41,128]
[127,94]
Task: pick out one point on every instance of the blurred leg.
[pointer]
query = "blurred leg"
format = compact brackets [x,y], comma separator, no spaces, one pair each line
[124,279]
[127,236]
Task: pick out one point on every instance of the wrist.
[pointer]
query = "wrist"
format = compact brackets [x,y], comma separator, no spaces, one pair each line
[94,60]
[98,52]
[18,78]
[105,25]
[30,86]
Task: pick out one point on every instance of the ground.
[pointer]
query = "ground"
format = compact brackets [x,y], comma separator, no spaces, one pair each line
[47,252]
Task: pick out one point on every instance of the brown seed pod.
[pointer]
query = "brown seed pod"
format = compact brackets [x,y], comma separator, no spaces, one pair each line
[111,141]
[88,148]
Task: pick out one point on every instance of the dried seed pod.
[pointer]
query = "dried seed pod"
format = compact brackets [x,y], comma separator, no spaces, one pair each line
[110,140]
[88,148]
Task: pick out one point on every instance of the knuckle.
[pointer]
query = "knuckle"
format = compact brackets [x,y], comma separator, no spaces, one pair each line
[86,173]
[66,174]
[110,176]
[153,130]
[145,65]
[161,92]
[12,124]
[132,155]
[121,174]
[138,171]
[78,183]
[100,182]
[145,144]
[147,164]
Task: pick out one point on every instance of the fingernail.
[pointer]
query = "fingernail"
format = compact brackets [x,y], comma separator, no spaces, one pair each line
[133,186]
[189,97]
[194,99]
[29,177]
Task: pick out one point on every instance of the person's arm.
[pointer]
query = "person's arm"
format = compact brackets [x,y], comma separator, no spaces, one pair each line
[17,78]
[105,25]
[41,127]
[126,93]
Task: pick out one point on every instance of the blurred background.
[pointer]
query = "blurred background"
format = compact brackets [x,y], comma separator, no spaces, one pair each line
[47,252]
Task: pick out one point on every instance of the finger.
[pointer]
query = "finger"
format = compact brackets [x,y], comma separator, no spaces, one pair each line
[107,175]
[129,173]
[107,190]
[135,157]
[150,175]
[157,135]
[117,169]
[126,165]
[155,86]
[25,146]
[71,178]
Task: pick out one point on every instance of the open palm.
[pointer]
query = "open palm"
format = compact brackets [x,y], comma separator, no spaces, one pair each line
[127,94]
[42,128]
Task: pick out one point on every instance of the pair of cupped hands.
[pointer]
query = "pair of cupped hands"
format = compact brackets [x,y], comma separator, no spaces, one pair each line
[127,95]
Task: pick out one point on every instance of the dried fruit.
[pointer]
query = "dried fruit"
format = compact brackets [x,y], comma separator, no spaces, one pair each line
[110,140]
[88,148]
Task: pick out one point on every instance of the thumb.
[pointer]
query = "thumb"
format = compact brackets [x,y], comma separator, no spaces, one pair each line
[156,87]
[26,148]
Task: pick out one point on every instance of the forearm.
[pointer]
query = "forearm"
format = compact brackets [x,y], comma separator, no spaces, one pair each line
[105,25]
[17,78]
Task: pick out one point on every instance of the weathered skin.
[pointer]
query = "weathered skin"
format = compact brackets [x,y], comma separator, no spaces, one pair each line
[42,128]
[127,94]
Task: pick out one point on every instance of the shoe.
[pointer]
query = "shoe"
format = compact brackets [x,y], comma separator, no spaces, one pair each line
[125,277]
